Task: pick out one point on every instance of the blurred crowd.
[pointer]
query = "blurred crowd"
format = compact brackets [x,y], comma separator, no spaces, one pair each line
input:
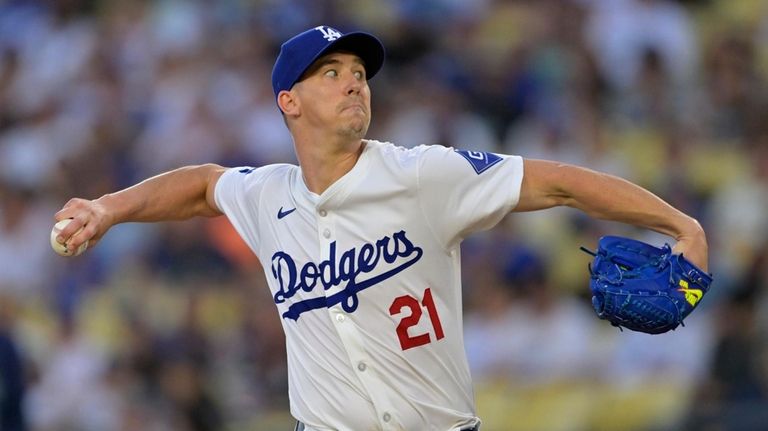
[171,327]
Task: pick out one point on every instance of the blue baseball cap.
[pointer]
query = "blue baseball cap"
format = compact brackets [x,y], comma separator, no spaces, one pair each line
[300,51]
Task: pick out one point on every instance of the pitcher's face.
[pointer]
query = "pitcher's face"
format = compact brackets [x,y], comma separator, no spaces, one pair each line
[335,94]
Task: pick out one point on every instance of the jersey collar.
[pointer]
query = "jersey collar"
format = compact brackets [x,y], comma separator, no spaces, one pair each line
[334,195]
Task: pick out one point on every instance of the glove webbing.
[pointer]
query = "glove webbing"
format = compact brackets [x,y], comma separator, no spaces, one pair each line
[653,261]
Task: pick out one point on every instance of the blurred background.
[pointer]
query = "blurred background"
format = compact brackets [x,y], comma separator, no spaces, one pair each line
[171,327]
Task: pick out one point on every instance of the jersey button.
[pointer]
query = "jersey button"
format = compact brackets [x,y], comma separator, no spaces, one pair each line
[340,318]
[387,417]
[323,213]
[361,366]
[327,233]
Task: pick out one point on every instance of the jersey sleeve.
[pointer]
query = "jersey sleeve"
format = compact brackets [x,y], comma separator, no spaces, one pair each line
[237,194]
[462,191]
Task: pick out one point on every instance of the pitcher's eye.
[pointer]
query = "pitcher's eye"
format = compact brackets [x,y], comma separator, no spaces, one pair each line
[332,73]
[359,75]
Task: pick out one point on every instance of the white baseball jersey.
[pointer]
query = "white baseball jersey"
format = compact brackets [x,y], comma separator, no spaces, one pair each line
[366,278]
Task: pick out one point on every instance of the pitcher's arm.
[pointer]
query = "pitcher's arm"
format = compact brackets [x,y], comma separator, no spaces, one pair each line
[547,184]
[175,195]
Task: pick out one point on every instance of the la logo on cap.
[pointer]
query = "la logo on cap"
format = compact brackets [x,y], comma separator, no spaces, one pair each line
[329,33]
[299,52]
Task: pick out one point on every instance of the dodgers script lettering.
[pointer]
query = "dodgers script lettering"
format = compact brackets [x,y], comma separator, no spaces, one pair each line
[394,253]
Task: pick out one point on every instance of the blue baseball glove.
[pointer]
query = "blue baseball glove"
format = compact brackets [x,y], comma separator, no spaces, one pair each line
[644,288]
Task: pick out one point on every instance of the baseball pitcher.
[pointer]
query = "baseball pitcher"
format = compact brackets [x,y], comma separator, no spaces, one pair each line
[361,242]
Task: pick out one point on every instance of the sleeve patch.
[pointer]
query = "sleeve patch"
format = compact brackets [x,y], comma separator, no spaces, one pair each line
[481,161]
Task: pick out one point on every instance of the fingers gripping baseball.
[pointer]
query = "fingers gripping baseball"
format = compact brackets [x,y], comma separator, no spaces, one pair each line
[88,224]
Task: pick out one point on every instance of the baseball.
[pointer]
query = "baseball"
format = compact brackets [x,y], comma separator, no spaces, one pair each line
[61,249]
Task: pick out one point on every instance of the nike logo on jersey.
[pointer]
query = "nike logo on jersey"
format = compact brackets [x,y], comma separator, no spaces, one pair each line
[387,257]
[480,160]
[281,213]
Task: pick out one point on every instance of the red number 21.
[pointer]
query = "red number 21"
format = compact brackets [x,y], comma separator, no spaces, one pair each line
[407,301]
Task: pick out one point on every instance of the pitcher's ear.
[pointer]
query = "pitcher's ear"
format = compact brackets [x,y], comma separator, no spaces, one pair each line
[287,102]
